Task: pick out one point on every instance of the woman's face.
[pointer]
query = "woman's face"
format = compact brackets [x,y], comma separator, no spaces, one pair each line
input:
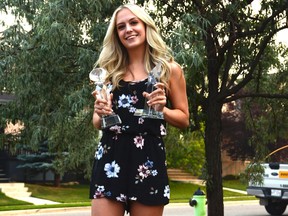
[130,29]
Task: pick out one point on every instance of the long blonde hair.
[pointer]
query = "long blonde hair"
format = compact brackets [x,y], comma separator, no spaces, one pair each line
[114,56]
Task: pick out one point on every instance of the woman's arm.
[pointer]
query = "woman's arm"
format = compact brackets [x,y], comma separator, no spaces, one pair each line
[178,115]
[96,120]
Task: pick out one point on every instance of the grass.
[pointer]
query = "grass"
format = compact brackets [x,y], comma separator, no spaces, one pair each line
[77,195]
[182,192]
[235,184]
[7,201]
[63,194]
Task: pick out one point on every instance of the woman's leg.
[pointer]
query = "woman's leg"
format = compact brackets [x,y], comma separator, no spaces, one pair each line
[106,207]
[138,209]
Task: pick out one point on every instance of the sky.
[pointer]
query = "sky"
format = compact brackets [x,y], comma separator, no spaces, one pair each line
[282,36]
[9,20]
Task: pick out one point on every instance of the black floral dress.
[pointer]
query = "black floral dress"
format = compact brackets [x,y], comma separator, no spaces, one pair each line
[130,161]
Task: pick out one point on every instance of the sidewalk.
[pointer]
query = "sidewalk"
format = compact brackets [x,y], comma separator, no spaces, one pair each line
[44,210]
[36,201]
[18,191]
[235,190]
[173,206]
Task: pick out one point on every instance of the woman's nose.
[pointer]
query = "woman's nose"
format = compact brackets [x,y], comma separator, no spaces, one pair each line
[128,28]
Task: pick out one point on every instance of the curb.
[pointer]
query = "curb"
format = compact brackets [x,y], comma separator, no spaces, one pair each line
[88,208]
[44,210]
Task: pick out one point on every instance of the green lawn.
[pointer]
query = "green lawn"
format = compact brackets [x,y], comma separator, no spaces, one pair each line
[182,192]
[77,195]
[235,184]
[6,201]
[63,194]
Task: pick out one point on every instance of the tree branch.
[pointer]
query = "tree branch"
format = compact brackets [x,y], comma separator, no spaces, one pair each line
[263,25]
[252,67]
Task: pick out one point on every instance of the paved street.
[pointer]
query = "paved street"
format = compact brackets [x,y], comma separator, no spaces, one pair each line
[245,208]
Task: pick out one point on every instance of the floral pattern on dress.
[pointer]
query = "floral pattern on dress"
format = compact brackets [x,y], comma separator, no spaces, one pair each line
[112,169]
[139,141]
[144,171]
[167,191]
[121,198]
[117,129]
[100,192]
[163,131]
[140,121]
[101,150]
[133,198]
[127,101]
[124,101]
[153,191]
[139,136]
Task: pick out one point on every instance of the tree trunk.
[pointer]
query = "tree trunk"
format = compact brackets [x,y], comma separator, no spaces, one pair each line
[213,159]
[212,110]
[57,180]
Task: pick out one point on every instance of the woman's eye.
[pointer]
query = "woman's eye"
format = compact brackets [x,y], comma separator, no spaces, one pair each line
[134,23]
[120,27]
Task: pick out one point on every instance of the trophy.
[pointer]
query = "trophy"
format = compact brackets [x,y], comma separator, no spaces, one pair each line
[149,111]
[98,75]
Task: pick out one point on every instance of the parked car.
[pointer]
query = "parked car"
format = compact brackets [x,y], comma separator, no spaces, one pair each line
[273,192]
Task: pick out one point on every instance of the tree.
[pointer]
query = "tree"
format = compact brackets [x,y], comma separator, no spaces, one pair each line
[258,124]
[41,161]
[46,66]
[223,46]
[267,118]
[236,133]
[185,150]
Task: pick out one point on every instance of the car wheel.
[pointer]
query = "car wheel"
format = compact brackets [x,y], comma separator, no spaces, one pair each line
[276,208]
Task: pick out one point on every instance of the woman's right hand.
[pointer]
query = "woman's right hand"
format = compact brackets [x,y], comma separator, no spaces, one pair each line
[102,106]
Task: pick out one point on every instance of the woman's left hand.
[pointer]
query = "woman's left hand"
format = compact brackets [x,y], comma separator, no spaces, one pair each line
[157,99]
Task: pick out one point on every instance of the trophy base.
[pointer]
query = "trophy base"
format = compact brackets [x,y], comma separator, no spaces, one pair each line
[149,114]
[110,120]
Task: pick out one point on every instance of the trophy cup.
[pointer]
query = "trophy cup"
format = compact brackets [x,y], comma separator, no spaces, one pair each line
[98,75]
[149,111]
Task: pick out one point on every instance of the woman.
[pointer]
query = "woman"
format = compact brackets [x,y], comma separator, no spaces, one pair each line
[129,171]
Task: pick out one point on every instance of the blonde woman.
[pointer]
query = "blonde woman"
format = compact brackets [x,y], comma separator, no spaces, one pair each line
[129,171]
